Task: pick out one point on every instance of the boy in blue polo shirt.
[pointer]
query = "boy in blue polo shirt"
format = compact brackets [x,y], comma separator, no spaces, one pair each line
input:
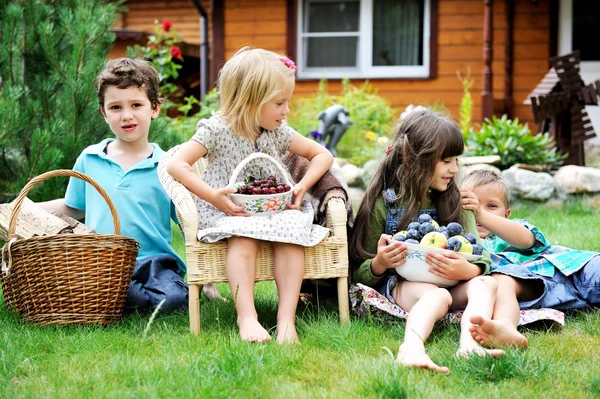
[126,167]
[530,272]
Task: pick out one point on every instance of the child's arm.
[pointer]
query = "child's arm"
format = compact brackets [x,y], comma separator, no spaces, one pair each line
[320,161]
[180,167]
[59,206]
[510,231]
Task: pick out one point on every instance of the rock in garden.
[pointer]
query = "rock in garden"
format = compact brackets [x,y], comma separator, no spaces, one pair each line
[352,175]
[579,179]
[465,170]
[368,171]
[526,184]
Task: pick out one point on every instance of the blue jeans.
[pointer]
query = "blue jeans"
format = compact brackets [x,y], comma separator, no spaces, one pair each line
[155,278]
[579,290]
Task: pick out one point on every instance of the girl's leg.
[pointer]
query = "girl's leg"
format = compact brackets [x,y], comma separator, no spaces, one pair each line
[501,330]
[426,303]
[289,272]
[241,266]
[480,295]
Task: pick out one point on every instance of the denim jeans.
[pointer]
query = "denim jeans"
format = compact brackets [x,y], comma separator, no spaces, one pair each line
[155,278]
[579,290]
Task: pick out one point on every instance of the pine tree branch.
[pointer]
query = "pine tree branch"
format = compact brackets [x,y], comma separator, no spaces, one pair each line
[5,132]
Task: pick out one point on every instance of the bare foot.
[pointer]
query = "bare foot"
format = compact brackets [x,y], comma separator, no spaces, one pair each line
[467,351]
[212,293]
[496,333]
[252,331]
[286,333]
[416,357]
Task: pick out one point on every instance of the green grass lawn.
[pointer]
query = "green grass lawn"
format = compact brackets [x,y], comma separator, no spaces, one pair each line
[162,360]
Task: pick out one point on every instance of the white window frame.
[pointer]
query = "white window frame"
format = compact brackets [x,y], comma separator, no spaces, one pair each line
[565,37]
[364,69]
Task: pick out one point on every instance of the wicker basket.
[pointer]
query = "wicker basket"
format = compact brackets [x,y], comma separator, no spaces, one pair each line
[261,204]
[67,278]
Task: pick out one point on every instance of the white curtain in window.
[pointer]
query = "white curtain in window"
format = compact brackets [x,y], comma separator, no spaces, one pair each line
[398,32]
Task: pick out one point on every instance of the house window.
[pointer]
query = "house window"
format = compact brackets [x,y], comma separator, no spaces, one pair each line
[363,38]
[586,15]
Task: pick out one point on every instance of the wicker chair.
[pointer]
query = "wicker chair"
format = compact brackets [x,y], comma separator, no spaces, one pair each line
[206,262]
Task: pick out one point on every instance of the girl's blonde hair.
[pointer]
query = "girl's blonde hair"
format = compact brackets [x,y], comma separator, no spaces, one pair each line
[248,80]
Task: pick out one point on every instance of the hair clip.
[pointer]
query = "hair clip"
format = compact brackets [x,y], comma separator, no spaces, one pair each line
[389,149]
[289,63]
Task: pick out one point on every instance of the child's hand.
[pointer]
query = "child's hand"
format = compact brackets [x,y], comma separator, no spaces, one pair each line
[223,203]
[470,201]
[297,196]
[451,265]
[388,255]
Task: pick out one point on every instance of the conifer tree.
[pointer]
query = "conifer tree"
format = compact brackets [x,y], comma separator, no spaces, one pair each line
[50,54]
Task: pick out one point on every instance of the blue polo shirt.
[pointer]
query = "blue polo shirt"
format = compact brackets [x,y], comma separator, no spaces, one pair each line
[145,210]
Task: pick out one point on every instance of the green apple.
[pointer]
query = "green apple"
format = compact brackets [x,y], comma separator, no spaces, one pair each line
[434,239]
[467,247]
[435,224]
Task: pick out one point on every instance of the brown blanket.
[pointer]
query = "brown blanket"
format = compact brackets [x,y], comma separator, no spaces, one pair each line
[331,185]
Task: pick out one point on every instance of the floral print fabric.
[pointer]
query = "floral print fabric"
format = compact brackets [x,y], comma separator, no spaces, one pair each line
[225,151]
[367,301]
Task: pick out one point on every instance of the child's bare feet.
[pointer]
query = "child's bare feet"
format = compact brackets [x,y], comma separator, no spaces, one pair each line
[286,333]
[469,350]
[496,333]
[416,357]
[212,293]
[252,331]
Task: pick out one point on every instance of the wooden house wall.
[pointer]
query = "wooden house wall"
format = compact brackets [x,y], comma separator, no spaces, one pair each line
[262,23]
[142,14]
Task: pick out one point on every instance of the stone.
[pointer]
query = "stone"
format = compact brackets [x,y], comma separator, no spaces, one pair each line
[538,186]
[368,171]
[352,175]
[579,179]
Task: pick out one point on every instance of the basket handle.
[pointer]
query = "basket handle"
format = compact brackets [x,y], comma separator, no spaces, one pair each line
[254,156]
[12,224]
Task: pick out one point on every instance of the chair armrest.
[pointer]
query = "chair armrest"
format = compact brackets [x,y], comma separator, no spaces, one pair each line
[182,198]
[337,217]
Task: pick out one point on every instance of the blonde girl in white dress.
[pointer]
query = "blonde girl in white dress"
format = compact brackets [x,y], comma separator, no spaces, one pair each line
[255,87]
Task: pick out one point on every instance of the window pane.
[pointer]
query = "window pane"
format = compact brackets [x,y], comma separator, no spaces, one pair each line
[331,51]
[338,16]
[398,32]
[586,17]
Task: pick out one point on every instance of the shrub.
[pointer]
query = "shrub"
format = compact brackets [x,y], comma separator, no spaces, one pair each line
[514,143]
[371,114]
[50,53]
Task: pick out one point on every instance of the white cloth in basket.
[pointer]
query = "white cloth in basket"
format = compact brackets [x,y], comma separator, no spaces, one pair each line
[225,151]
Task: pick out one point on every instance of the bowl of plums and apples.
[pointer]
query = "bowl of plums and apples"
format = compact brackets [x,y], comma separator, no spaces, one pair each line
[426,236]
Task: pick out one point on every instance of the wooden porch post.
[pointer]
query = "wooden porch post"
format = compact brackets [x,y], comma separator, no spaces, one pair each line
[487,95]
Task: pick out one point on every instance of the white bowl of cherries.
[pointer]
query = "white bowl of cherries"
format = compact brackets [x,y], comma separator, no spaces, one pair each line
[261,196]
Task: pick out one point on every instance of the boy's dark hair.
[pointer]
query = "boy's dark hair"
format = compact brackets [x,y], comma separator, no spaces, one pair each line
[127,72]
[421,140]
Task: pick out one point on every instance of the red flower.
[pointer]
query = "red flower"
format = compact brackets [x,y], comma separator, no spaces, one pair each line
[176,52]
[166,25]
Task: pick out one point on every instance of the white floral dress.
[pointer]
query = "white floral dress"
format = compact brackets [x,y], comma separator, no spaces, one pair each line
[225,151]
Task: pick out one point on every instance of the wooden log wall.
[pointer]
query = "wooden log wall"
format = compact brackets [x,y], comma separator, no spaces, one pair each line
[261,23]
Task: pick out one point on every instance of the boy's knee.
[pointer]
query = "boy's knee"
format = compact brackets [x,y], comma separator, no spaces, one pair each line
[486,282]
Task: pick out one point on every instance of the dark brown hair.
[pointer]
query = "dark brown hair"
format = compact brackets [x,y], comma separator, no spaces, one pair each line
[126,72]
[421,140]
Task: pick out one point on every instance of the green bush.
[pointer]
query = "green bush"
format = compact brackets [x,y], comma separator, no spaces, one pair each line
[513,142]
[50,53]
[371,114]
[168,132]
